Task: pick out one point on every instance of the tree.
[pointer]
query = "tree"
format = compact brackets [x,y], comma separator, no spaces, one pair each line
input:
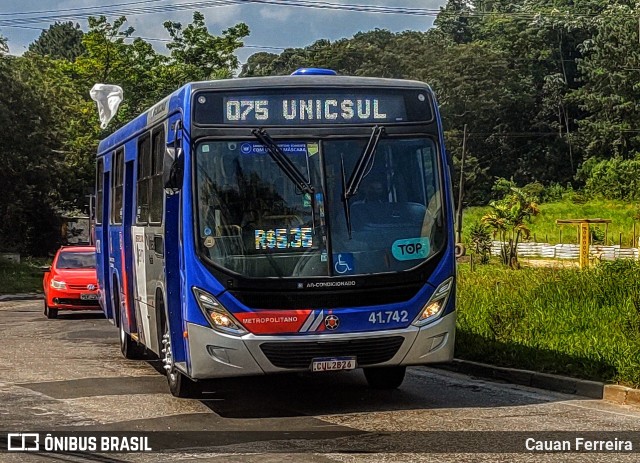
[35,104]
[259,64]
[199,55]
[508,219]
[610,94]
[60,41]
[456,20]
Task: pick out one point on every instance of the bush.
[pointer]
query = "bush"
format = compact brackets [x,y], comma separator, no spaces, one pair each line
[597,235]
[534,190]
[502,187]
[581,323]
[25,277]
[555,192]
[614,179]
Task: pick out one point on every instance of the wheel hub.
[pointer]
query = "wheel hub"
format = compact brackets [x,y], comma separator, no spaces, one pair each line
[168,358]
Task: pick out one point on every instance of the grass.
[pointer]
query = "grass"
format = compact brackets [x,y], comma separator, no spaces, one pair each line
[579,323]
[545,229]
[25,277]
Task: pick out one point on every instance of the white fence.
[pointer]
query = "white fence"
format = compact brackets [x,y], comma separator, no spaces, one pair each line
[568,251]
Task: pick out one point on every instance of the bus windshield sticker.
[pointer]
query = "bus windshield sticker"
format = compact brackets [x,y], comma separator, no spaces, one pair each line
[411,249]
[287,148]
[209,242]
[207,231]
[313,149]
[284,238]
[344,263]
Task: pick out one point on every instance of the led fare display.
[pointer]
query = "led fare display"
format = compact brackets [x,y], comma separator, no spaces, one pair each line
[284,238]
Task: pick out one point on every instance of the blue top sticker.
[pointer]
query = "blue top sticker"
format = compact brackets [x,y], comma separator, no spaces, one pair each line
[411,249]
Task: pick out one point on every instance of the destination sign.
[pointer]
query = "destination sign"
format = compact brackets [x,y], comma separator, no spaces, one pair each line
[326,110]
[313,107]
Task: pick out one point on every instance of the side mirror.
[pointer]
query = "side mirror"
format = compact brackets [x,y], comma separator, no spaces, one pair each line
[173,170]
[45,269]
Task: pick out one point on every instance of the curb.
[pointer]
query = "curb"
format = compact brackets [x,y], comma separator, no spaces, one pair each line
[621,395]
[21,297]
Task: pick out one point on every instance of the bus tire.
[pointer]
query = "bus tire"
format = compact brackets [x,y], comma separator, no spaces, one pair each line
[130,349]
[385,377]
[179,384]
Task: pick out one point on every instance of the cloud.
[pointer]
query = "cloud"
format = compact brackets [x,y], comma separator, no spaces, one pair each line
[264,21]
[278,14]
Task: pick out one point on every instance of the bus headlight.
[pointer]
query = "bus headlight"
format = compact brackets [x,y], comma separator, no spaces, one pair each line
[217,316]
[58,284]
[434,307]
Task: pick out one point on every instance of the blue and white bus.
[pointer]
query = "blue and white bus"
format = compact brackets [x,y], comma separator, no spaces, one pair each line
[281,224]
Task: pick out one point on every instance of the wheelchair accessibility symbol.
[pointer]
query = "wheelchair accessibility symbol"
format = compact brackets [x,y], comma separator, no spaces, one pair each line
[343,263]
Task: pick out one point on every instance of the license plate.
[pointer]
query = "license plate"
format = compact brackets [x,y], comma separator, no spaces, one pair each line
[333,364]
[88,297]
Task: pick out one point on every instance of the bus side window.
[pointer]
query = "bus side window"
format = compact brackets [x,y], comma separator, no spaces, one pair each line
[117,180]
[144,178]
[99,190]
[156,187]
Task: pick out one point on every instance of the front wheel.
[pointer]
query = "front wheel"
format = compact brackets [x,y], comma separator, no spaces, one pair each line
[385,377]
[49,312]
[179,384]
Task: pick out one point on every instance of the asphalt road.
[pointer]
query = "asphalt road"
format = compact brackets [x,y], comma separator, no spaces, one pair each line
[68,375]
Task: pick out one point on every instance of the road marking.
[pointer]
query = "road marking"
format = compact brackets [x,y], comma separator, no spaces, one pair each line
[598,409]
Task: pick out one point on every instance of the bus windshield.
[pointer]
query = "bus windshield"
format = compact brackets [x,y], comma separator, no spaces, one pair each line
[252,220]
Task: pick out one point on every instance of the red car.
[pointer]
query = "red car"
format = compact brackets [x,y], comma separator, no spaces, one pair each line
[71,282]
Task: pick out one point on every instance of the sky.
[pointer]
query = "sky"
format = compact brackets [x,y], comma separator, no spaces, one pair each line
[272,25]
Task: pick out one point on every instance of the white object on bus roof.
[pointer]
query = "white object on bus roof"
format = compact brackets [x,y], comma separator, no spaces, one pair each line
[108,97]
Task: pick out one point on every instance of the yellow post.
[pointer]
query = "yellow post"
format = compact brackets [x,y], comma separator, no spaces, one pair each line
[584,244]
[583,236]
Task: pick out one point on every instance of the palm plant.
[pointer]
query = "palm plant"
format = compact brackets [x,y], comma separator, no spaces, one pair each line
[508,219]
[481,241]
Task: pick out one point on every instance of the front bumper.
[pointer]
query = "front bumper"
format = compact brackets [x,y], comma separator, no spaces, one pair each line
[71,300]
[217,355]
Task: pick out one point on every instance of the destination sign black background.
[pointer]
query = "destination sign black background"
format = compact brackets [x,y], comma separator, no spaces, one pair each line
[399,106]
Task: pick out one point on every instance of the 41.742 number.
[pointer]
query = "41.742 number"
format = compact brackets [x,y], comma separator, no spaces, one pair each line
[389,316]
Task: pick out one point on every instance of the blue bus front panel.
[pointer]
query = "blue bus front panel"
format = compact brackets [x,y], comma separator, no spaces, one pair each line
[381,334]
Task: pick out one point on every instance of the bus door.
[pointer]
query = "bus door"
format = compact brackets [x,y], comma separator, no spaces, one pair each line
[127,219]
[102,239]
[148,235]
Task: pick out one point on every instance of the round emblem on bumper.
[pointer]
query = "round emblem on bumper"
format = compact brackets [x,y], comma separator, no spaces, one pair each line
[331,322]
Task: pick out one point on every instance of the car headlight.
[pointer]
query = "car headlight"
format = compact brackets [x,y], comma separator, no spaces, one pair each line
[217,316]
[58,284]
[436,304]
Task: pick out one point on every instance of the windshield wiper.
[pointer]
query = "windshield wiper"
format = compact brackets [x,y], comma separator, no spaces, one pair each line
[283,162]
[364,163]
[362,168]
